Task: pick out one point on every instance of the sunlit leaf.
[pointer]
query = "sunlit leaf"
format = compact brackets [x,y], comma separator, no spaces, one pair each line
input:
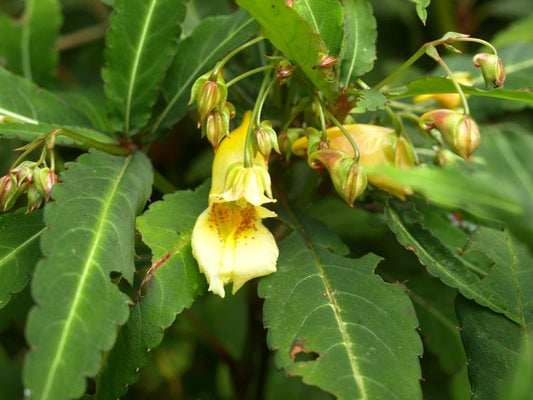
[334,322]
[198,53]
[325,18]
[140,46]
[28,45]
[171,284]
[294,37]
[90,235]
[359,48]
[19,250]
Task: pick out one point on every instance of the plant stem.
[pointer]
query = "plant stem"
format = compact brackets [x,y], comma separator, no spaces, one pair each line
[88,142]
[455,83]
[345,133]
[249,73]
[392,77]
[163,184]
[222,62]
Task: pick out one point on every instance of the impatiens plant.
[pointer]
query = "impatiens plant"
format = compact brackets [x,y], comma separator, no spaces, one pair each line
[356,173]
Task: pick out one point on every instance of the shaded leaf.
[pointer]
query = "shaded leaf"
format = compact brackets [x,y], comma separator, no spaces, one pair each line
[370,100]
[294,37]
[492,344]
[22,101]
[359,48]
[90,235]
[92,104]
[198,53]
[505,288]
[517,31]
[19,250]
[171,284]
[28,45]
[140,46]
[325,18]
[334,322]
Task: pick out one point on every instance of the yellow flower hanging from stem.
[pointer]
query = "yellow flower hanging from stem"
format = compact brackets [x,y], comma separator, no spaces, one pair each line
[229,240]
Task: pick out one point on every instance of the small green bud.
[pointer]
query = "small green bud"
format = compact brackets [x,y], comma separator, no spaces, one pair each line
[284,71]
[458,130]
[216,127]
[287,138]
[35,198]
[44,179]
[208,94]
[267,139]
[9,192]
[24,171]
[348,177]
[491,68]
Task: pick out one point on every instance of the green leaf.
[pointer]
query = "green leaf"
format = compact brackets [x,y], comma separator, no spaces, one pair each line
[506,155]
[517,31]
[294,37]
[325,18]
[19,251]
[370,100]
[22,101]
[140,46]
[421,6]
[492,344]
[444,85]
[334,322]
[29,132]
[90,235]
[28,45]
[506,287]
[359,48]
[92,103]
[198,53]
[171,284]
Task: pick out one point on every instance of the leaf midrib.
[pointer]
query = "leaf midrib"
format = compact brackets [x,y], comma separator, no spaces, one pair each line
[81,283]
[144,33]
[337,313]
[19,248]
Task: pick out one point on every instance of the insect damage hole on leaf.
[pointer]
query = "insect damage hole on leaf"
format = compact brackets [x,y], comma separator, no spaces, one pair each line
[300,354]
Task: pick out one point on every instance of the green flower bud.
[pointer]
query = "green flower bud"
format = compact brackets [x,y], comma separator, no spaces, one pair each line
[458,130]
[24,171]
[348,177]
[491,68]
[208,94]
[216,127]
[9,192]
[35,198]
[267,139]
[44,179]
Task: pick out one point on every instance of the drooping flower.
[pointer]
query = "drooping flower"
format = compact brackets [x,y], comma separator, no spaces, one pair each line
[229,241]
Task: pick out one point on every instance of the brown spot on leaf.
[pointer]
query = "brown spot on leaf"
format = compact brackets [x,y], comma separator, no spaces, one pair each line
[299,353]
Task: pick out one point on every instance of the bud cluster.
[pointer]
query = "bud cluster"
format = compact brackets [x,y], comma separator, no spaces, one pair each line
[30,178]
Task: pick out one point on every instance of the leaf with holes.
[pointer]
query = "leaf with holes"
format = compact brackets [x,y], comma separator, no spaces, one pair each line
[19,251]
[90,235]
[291,34]
[140,46]
[198,53]
[170,285]
[359,48]
[325,18]
[22,101]
[28,45]
[332,321]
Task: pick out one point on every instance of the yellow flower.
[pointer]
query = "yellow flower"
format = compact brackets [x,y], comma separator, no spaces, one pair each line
[229,241]
[377,146]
